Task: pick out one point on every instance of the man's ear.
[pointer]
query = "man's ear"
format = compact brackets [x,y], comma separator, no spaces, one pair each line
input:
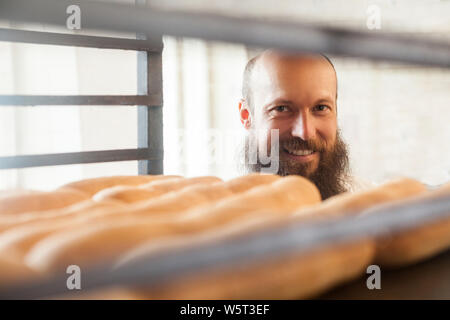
[245,114]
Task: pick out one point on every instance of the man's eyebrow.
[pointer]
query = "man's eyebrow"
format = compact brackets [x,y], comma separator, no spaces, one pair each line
[289,102]
[278,102]
[325,100]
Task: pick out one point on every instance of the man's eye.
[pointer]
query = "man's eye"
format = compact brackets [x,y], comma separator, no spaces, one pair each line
[280,109]
[322,107]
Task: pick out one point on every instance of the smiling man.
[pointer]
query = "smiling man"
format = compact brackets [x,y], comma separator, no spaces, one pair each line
[296,95]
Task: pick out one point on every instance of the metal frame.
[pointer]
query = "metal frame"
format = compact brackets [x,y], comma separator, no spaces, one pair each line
[99,15]
[38,100]
[41,160]
[149,153]
[75,40]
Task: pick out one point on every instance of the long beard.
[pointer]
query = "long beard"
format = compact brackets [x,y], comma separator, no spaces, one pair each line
[331,174]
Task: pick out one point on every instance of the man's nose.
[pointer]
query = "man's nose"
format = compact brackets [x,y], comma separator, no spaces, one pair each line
[303,127]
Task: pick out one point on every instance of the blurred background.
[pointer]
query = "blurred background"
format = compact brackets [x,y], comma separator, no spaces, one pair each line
[394,117]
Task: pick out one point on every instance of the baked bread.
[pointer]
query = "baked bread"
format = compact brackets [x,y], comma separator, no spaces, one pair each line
[295,276]
[354,203]
[13,272]
[254,285]
[39,201]
[94,185]
[247,182]
[399,249]
[20,235]
[130,194]
[105,240]
[47,216]
[68,194]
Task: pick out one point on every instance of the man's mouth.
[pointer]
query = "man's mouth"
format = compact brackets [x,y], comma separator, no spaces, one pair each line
[298,152]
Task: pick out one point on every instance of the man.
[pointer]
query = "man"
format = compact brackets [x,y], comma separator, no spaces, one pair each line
[296,95]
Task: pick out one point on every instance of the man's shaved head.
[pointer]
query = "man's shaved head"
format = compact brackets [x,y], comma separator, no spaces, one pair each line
[297,96]
[248,71]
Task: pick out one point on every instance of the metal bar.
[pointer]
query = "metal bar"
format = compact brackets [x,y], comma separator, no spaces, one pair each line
[41,160]
[150,118]
[250,31]
[277,241]
[36,100]
[75,40]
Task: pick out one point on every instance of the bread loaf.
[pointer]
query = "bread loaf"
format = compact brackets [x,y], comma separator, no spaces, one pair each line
[176,202]
[256,221]
[344,204]
[281,197]
[129,194]
[402,248]
[21,235]
[13,273]
[82,208]
[158,188]
[288,276]
[354,203]
[103,242]
[16,240]
[68,194]
[247,182]
[94,185]
[40,201]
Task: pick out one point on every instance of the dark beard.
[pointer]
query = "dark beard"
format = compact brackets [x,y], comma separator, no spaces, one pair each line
[329,177]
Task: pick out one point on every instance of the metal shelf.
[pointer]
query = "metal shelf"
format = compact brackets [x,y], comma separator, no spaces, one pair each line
[297,37]
[75,40]
[148,99]
[55,159]
[105,100]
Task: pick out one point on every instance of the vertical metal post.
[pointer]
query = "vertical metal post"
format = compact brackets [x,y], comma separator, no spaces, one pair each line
[150,118]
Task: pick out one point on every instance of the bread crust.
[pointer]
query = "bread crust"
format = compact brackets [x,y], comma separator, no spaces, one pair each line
[153,189]
[411,246]
[94,185]
[40,201]
[106,239]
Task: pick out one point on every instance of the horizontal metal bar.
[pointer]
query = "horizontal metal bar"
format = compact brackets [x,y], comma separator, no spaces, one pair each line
[297,37]
[36,100]
[75,40]
[276,241]
[41,160]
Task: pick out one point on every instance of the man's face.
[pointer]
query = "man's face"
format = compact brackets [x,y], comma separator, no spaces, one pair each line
[297,96]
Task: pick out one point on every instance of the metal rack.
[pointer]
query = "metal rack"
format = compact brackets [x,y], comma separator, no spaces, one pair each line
[253,32]
[148,101]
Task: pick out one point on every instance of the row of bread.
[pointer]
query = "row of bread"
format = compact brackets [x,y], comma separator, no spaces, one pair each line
[116,220]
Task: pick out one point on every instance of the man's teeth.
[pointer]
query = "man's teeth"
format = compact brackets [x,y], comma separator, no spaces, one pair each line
[300,152]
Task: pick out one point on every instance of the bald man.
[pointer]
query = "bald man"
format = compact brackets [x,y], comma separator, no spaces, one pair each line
[293,99]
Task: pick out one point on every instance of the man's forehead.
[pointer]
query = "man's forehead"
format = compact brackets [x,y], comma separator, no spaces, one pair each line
[275,72]
[274,55]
